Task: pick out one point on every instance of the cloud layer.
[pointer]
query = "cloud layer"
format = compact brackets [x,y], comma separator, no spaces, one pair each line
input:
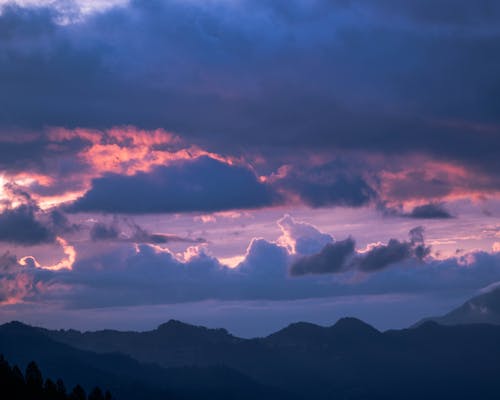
[313,75]
[138,274]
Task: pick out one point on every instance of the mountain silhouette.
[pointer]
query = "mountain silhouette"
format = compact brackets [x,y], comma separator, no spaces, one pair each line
[482,309]
[126,377]
[348,360]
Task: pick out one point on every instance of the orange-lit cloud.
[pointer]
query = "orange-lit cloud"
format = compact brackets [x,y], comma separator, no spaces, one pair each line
[123,150]
[127,150]
[424,180]
[69,257]
[66,262]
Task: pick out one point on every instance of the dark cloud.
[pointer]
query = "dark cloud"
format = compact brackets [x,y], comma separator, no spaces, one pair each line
[101,231]
[322,75]
[21,226]
[22,150]
[445,12]
[341,256]
[426,211]
[326,185]
[59,223]
[381,256]
[26,224]
[331,259]
[184,186]
[195,185]
[430,211]
[140,235]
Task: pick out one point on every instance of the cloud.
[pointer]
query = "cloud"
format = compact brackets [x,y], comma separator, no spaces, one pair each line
[300,237]
[26,224]
[101,231]
[19,282]
[425,211]
[137,274]
[445,12]
[256,74]
[341,256]
[148,275]
[329,184]
[184,186]
[19,225]
[254,77]
[332,258]
[430,211]
[70,9]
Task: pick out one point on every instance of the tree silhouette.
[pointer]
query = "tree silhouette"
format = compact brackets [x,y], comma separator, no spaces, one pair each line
[78,393]
[34,381]
[34,376]
[18,383]
[50,390]
[96,394]
[15,386]
[61,390]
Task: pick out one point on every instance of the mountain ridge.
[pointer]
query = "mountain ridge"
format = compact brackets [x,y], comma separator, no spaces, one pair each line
[349,359]
[481,309]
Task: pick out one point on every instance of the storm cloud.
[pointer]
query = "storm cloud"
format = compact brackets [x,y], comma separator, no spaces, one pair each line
[316,75]
[193,185]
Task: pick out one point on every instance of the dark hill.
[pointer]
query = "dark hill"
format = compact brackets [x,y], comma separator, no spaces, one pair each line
[348,360]
[124,376]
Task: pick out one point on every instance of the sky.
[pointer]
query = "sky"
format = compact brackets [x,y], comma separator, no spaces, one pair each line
[247,163]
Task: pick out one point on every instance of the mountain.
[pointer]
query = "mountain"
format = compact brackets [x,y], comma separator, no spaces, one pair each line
[172,344]
[482,309]
[345,332]
[348,360]
[125,377]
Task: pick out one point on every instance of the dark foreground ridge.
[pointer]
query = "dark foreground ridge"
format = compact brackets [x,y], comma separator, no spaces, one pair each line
[348,360]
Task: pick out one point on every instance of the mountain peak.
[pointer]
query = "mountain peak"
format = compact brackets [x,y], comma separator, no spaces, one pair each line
[178,330]
[174,323]
[352,325]
[482,309]
[297,332]
[15,325]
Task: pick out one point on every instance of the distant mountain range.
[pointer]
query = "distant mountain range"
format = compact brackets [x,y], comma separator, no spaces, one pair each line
[482,309]
[348,360]
[125,377]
